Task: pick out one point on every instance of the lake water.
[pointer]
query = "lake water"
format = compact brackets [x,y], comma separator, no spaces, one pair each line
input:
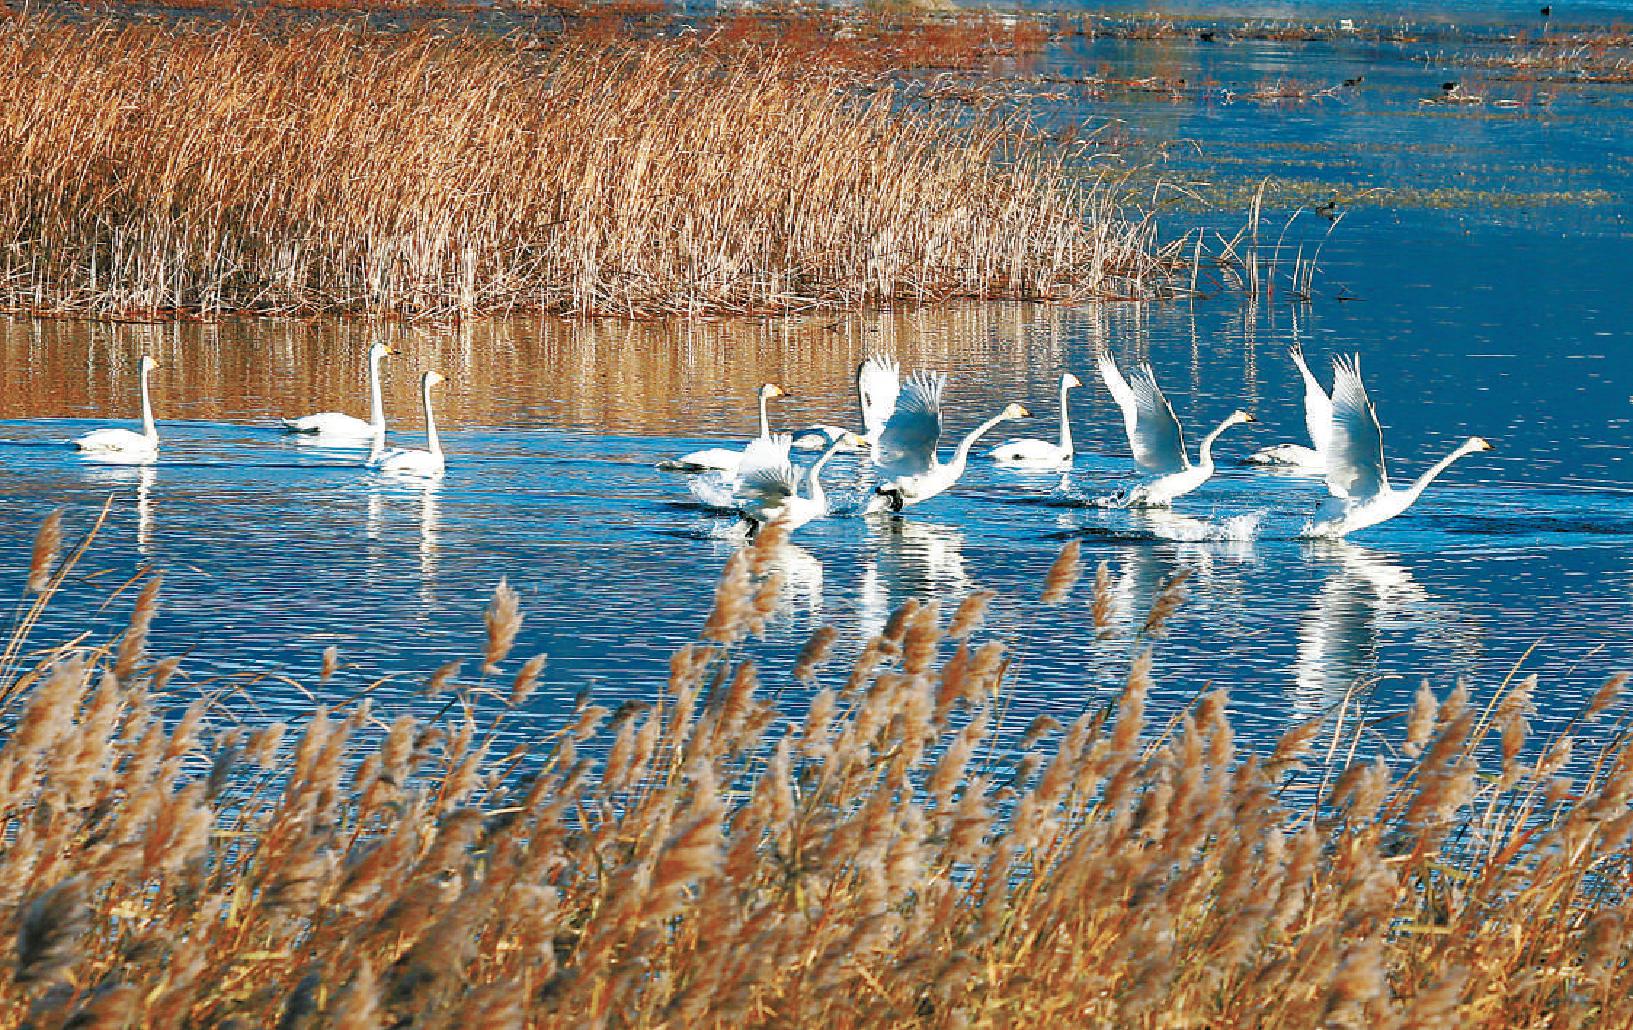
[1487,291]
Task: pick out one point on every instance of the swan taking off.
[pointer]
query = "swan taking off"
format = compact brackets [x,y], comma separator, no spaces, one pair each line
[878,384]
[428,463]
[909,469]
[1361,494]
[347,430]
[123,443]
[725,459]
[716,489]
[1042,454]
[1317,420]
[1155,437]
[769,492]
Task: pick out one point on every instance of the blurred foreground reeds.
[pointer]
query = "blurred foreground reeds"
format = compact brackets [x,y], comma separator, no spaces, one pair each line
[203,170]
[890,853]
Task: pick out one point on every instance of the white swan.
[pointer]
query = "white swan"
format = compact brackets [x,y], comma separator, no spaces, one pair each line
[910,471]
[123,443]
[716,489]
[770,492]
[427,464]
[1361,494]
[1155,437]
[1317,420]
[347,430]
[1030,453]
[725,458]
[878,383]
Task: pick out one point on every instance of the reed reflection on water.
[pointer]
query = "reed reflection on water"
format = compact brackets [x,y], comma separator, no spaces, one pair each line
[272,549]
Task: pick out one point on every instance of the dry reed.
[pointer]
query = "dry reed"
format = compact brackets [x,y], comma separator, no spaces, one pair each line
[893,857]
[206,170]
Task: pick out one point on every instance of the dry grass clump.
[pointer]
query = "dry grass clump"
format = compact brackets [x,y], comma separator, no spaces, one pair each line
[892,856]
[243,168]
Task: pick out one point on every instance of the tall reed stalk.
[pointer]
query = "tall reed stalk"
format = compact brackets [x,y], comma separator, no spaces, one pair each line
[890,854]
[205,170]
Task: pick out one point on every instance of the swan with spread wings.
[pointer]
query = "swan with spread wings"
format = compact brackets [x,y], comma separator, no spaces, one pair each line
[910,470]
[1356,477]
[1156,438]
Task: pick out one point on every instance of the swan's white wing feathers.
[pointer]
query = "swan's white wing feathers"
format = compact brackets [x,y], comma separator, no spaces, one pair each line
[878,385]
[1317,405]
[1154,435]
[330,423]
[1355,453]
[907,447]
[114,439]
[1158,442]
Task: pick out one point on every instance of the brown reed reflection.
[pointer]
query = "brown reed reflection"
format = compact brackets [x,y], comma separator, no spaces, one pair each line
[692,379]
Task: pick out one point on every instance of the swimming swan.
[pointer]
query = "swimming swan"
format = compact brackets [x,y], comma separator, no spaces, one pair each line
[1361,494]
[123,443]
[725,459]
[770,492]
[1155,437]
[344,429]
[1030,453]
[1317,420]
[428,463]
[909,470]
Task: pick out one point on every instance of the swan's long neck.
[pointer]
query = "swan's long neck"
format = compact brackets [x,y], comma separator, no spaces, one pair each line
[149,430]
[1421,483]
[962,455]
[813,482]
[765,419]
[1065,420]
[1205,455]
[377,407]
[432,444]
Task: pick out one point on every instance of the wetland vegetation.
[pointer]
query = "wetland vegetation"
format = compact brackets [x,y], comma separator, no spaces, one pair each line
[1032,764]
[899,851]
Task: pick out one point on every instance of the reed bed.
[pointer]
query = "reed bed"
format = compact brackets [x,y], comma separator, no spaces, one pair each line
[244,168]
[890,853]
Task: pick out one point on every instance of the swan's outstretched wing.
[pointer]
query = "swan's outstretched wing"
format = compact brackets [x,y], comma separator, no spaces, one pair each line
[1154,435]
[907,447]
[1317,405]
[878,384]
[1355,454]
[768,486]
[766,475]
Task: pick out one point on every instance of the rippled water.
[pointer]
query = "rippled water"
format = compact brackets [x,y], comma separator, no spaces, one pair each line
[1473,317]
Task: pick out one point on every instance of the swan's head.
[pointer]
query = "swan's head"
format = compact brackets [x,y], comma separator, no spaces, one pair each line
[1016,411]
[856,441]
[1238,416]
[1479,443]
[433,378]
[149,363]
[380,350]
[1068,381]
[771,391]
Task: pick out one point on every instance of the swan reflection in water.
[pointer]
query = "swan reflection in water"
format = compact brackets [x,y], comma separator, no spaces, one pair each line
[908,559]
[430,523]
[1366,595]
[801,579]
[121,475]
[1179,543]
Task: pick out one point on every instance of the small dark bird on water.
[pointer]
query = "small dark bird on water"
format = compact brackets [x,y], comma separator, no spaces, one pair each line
[1206,35]
[1329,210]
[1352,83]
[1548,12]
[1448,87]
